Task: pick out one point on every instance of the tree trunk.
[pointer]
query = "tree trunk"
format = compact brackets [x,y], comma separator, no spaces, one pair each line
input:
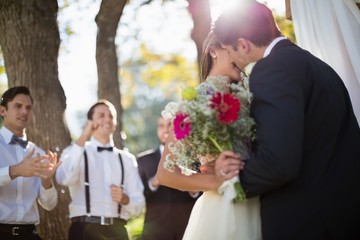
[29,38]
[200,13]
[107,21]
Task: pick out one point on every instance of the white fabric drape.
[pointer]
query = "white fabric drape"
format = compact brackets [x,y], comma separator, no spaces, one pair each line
[330,29]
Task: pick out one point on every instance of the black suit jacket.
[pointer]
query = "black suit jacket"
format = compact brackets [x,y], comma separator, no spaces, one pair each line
[306,159]
[167,209]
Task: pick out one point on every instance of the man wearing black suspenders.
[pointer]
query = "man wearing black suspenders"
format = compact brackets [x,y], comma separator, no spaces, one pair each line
[104,183]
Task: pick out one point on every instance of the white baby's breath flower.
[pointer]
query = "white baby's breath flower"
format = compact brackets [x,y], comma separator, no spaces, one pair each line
[186,171]
[170,110]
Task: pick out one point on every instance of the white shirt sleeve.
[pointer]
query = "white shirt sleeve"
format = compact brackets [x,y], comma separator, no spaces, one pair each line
[4,176]
[151,187]
[133,187]
[68,172]
[48,197]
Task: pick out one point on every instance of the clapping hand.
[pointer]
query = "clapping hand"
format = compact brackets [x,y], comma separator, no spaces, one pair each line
[49,165]
[41,166]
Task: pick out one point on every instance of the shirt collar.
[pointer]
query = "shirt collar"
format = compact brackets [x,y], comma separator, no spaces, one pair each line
[161,148]
[271,45]
[96,143]
[7,134]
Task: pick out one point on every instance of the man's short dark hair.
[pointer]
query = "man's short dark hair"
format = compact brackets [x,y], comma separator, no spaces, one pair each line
[11,93]
[252,21]
[101,102]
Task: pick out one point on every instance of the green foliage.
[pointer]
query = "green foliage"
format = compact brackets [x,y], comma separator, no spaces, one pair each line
[135,226]
[140,125]
[2,65]
[286,27]
[148,82]
[164,72]
[68,30]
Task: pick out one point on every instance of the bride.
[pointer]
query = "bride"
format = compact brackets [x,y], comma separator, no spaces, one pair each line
[214,216]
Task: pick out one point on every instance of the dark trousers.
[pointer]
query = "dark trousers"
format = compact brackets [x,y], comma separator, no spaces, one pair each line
[18,232]
[95,231]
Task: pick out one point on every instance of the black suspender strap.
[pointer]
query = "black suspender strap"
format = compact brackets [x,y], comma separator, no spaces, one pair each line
[122,179]
[87,185]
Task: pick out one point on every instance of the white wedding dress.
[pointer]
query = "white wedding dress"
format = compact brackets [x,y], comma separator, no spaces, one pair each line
[216,217]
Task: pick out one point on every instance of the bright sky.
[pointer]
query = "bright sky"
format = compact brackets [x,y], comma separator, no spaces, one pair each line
[77,65]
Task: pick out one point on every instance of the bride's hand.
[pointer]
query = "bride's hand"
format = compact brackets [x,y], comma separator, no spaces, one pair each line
[228,165]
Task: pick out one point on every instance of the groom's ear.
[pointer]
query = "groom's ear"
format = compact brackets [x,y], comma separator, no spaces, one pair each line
[243,45]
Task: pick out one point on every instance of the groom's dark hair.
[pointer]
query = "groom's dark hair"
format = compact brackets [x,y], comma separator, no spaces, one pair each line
[252,20]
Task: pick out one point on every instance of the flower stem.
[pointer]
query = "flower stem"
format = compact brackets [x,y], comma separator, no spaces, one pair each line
[240,194]
[216,144]
[227,144]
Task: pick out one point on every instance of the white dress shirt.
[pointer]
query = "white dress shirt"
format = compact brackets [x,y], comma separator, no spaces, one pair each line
[18,196]
[104,170]
[271,45]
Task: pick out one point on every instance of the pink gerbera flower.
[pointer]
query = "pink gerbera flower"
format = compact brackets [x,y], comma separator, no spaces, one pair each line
[227,106]
[182,128]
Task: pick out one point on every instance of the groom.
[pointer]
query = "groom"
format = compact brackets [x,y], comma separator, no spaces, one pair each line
[305,163]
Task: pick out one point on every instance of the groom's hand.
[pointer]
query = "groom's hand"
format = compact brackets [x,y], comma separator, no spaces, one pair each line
[228,165]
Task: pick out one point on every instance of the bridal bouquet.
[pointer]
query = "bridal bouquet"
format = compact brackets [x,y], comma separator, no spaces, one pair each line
[209,119]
